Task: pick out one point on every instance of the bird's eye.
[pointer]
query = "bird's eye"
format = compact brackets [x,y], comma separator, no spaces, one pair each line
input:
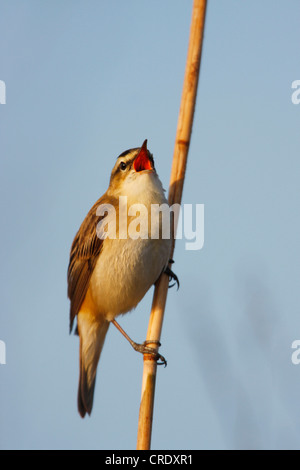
[123,166]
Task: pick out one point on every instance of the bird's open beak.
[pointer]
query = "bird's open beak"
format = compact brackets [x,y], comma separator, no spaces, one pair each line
[142,161]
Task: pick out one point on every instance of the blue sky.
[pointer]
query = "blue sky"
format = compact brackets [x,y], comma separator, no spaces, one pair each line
[85,81]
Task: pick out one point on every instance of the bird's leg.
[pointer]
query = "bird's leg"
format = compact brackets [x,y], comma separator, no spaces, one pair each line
[172,276]
[142,348]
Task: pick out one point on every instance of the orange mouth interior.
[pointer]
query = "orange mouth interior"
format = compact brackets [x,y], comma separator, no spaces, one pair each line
[142,161]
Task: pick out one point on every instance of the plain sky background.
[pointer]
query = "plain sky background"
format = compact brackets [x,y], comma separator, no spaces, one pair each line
[86,80]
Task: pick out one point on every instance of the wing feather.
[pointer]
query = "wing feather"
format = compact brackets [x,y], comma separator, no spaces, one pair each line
[85,250]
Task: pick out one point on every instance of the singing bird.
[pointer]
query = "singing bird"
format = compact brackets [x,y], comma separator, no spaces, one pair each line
[109,276]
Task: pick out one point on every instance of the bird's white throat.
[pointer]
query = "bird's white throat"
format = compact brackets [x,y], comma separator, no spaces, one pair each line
[144,188]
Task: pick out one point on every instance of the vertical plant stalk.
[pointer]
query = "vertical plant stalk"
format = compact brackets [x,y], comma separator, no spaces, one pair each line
[182,142]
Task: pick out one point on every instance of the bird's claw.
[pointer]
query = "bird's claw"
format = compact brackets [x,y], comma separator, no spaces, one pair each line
[172,276]
[144,349]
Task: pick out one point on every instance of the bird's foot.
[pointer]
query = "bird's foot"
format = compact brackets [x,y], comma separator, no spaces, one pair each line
[172,276]
[144,349]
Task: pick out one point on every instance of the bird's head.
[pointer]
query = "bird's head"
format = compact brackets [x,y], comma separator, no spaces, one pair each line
[132,169]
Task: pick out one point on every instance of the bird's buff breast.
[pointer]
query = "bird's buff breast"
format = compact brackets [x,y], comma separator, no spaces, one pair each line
[124,272]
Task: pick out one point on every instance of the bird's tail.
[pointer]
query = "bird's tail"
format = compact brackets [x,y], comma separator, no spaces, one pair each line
[92,335]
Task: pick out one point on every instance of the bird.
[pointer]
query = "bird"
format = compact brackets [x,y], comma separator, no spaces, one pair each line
[108,276]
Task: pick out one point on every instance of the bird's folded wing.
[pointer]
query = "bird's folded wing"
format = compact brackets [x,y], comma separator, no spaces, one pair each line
[83,257]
